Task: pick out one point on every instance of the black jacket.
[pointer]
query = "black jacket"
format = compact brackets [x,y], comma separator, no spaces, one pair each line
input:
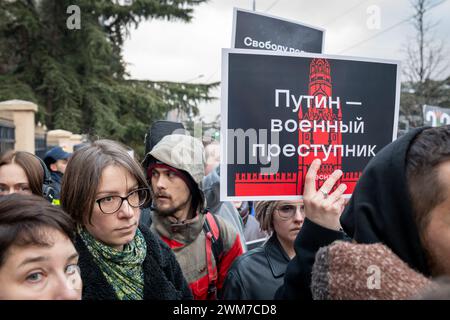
[56,184]
[379,211]
[145,219]
[297,281]
[163,278]
[257,274]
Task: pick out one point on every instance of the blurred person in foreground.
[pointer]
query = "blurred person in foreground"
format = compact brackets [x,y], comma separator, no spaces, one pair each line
[38,260]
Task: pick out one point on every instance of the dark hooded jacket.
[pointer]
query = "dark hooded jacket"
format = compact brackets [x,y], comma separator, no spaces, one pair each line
[379,210]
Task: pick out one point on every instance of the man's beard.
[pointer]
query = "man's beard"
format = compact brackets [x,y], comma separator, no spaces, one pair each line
[167,212]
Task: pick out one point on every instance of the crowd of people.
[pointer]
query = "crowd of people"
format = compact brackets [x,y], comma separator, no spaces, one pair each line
[96,224]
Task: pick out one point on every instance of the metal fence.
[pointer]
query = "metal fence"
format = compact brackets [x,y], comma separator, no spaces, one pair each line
[7,136]
[40,145]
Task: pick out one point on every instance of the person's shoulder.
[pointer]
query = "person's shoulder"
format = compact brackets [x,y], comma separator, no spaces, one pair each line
[229,234]
[224,225]
[248,258]
[252,254]
[155,246]
[95,285]
[80,246]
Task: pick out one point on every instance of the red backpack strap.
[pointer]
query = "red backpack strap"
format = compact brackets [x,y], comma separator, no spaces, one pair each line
[211,230]
[213,225]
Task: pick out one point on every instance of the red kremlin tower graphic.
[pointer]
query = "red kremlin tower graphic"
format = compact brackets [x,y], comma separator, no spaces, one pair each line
[320,87]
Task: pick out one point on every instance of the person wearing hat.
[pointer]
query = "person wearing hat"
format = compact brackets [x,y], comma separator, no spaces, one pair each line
[56,161]
[205,245]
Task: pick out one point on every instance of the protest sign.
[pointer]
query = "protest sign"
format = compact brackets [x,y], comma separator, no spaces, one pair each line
[253,30]
[282,111]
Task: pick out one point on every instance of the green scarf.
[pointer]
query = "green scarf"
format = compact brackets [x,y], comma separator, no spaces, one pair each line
[122,269]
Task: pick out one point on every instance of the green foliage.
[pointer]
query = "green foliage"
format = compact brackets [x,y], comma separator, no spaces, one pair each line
[78,77]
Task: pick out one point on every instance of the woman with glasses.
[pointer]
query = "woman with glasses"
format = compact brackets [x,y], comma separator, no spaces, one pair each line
[103,189]
[257,274]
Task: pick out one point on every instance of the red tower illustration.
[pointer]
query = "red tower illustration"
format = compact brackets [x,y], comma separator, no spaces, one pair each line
[319,109]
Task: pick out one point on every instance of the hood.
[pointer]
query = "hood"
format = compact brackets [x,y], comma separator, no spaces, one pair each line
[380,209]
[181,152]
[184,153]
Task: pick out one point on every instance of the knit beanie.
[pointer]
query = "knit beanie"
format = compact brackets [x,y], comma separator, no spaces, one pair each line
[349,271]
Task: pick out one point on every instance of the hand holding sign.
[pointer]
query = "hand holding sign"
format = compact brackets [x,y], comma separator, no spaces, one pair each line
[321,207]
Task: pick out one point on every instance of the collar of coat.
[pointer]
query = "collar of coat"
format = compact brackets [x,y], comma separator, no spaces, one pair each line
[276,256]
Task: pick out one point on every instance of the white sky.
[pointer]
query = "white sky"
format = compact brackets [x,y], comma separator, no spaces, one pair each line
[191,52]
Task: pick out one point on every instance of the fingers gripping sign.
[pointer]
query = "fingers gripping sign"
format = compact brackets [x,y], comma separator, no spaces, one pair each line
[321,206]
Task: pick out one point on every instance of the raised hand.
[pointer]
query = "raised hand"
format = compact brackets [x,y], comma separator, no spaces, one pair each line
[321,207]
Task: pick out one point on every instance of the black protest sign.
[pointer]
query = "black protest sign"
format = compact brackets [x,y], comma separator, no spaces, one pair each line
[282,111]
[253,30]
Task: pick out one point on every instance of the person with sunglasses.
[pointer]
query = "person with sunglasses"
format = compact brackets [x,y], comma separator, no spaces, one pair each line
[103,190]
[257,274]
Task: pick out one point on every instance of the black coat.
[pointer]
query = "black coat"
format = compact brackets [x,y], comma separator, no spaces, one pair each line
[146,217]
[380,211]
[297,281]
[257,274]
[163,278]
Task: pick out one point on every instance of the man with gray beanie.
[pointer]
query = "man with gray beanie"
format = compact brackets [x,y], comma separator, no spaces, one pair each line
[204,245]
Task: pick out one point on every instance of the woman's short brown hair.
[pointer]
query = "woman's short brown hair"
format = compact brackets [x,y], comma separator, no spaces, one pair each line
[83,173]
[24,218]
[30,164]
[264,214]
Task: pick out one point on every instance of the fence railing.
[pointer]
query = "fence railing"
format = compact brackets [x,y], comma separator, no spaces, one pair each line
[40,145]
[7,136]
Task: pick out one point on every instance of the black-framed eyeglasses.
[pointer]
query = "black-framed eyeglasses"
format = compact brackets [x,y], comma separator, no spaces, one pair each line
[111,204]
[288,211]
